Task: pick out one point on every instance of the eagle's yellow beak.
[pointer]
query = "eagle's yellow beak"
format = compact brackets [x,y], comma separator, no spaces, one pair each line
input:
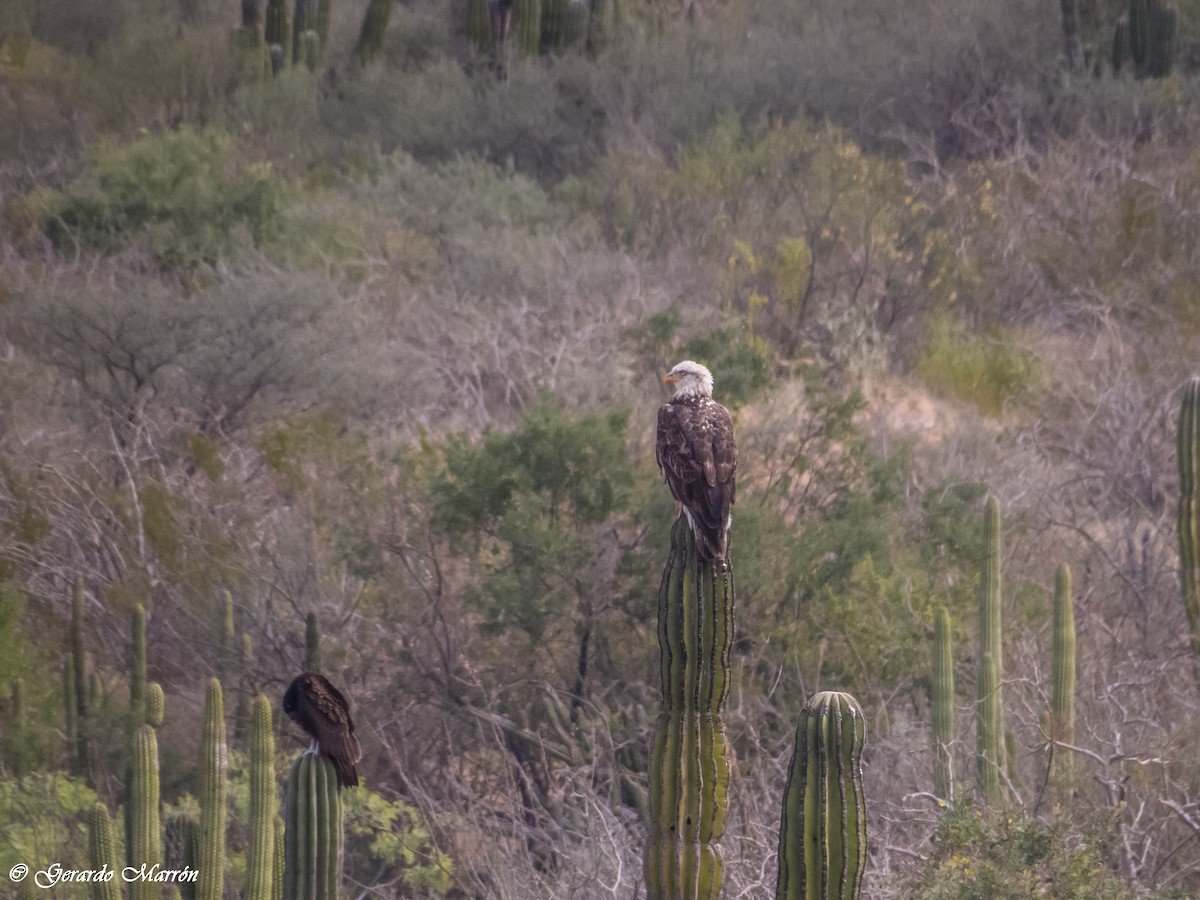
[670,378]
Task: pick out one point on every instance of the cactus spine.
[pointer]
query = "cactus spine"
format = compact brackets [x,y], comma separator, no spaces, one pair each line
[527,14]
[1188,457]
[823,831]
[1062,698]
[137,668]
[102,853]
[211,881]
[690,762]
[145,834]
[260,863]
[313,831]
[943,707]
[990,743]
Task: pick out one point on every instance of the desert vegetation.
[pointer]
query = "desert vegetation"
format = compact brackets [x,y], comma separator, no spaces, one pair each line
[331,336]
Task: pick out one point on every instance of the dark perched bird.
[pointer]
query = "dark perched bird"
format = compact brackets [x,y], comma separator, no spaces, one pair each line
[697,454]
[320,709]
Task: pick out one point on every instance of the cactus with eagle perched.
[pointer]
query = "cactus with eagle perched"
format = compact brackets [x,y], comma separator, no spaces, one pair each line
[690,757]
[312,831]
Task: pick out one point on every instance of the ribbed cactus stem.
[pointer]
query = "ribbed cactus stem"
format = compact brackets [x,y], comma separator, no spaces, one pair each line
[374,26]
[278,865]
[313,831]
[312,644]
[990,756]
[823,832]
[1188,457]
[690,757]
[211,881]
[278,30]
[145,833]
[137,667]
[527,19]
[943,707]
[479,32]
[102,853]
[260,856]
[1062,697]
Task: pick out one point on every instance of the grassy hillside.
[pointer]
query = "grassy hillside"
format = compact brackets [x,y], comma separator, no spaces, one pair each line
[380,340]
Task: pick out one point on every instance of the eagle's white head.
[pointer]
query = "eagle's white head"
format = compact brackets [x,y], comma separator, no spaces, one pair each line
[690,379]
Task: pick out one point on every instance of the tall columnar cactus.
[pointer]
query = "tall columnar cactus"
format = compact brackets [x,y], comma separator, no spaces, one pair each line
[823,830]
[243,715]
[554,20]
[278,29]
[690,761]
[1062,697]
[943,707]
[312,644]
[374,26]
[527,18]
[1152,37]
[211,881]
[575,23]
[145,835]
[479,26]
[1121,52]
[137,668]
[313,831]
[260,857]
[71,709]
[324,19]
[990,755]
[79,674]
[1188,455]
[227,654]
[102,853]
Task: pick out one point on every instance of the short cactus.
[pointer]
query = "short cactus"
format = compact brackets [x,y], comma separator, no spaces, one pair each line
[822,832]
[154,704]
[102,853]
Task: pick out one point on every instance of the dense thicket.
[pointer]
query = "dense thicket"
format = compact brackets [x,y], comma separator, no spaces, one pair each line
[378,335]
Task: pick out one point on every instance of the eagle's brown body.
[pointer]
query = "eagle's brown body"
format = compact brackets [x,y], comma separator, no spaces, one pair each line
[697,454]
[320,709]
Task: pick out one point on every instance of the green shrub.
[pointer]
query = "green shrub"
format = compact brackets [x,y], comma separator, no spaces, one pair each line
[988,372]
[1014,858]
[179,192]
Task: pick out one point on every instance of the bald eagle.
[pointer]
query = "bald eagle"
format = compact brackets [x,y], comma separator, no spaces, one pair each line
[698,456]
[320,709]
